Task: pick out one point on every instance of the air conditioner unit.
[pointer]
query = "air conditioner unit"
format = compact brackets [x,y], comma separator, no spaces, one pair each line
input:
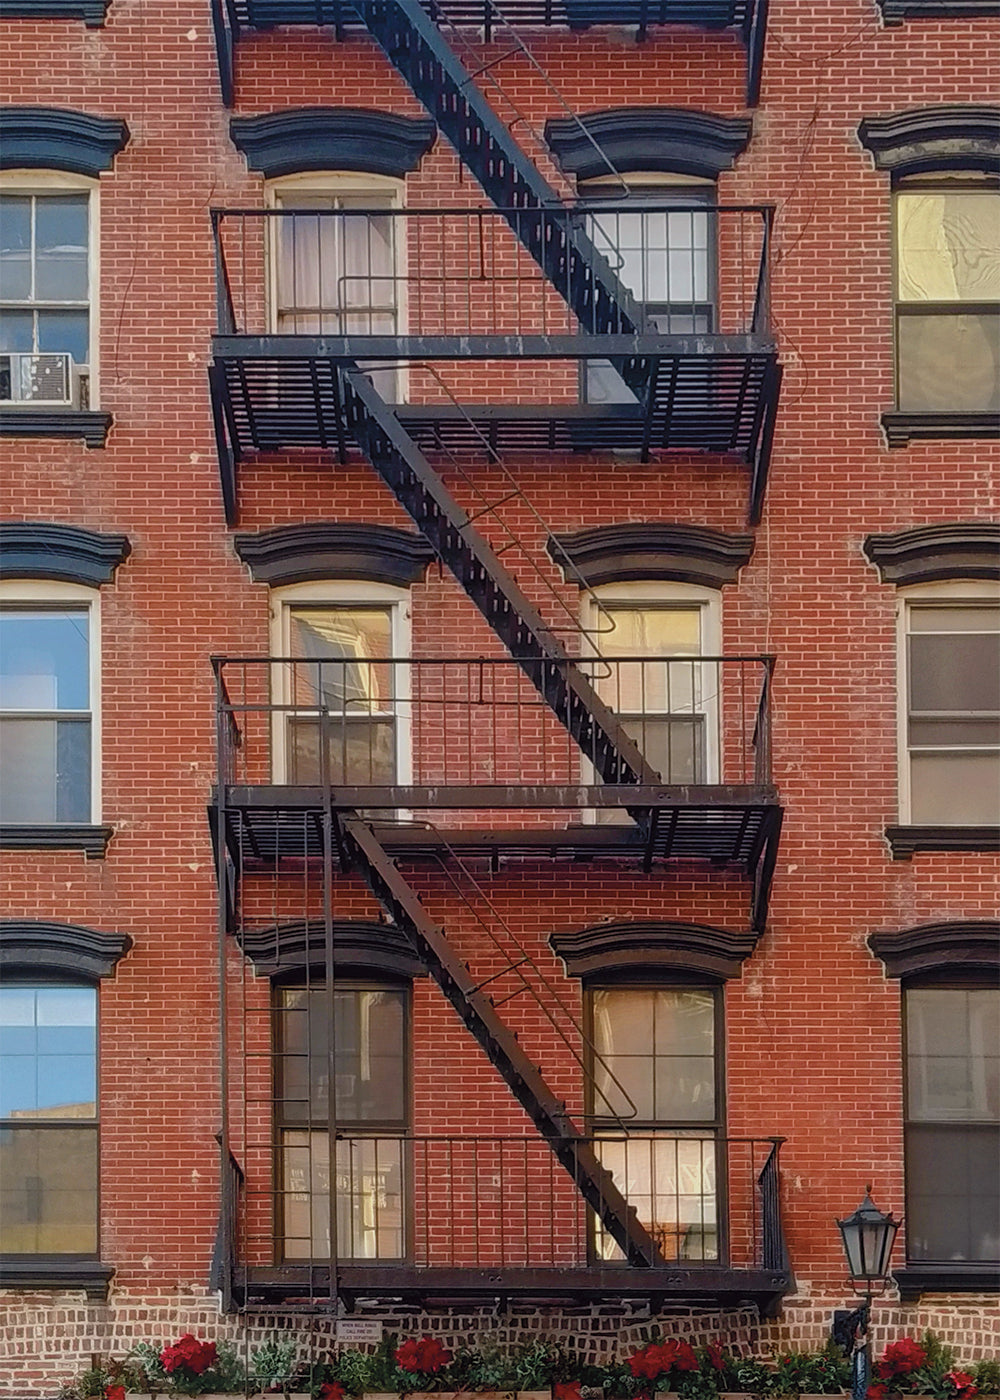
[39,379]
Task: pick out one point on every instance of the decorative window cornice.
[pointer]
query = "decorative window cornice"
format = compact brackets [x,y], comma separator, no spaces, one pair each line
[953,946]
[44,947]
[931,553]
[304,553]
[622,553]
[674,139]
[33,549]
[653,946]
[934,138]
[333,138]
[57,138]
[359,945]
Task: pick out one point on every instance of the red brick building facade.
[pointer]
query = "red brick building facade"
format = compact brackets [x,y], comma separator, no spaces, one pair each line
[671,463]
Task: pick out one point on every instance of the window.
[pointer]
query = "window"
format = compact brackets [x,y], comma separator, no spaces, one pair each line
[952,1035]
[657,1111]
[950,769]
[664,257]
[48,1119]
[336,271]
[338,682]
[368,1025]
[48,703]
[947,295]
[46,279]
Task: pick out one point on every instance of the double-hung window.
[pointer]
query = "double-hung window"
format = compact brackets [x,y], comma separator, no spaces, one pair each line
[48,704]
[951,726]
[46,277]
[657,1111]
[336,266]
[362,1030]
[664,256]
[947,295]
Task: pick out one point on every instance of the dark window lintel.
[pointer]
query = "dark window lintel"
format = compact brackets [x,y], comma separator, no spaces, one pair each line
[88,424]
[904,841]
[902,428]
[91,840]
[68,1271]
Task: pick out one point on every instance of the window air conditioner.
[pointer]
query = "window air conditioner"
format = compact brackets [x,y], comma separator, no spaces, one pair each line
[39,380]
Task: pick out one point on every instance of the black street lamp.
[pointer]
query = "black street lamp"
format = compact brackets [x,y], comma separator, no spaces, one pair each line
[867,1237]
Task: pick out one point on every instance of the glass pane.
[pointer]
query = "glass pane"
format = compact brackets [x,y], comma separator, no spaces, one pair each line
[958,733]
[954,789]
[952,1193]
[940,617]
[48,1190]
[345,643]
[359,752]
[65,333]
[675,747]
[28,764]
[671,1183]
[15,252]
[948,247]
[61,248]
[949,362]
[659,1046]
[956,672]
[48,1052]
[73,764]
[44,660]
[953,1054]
[370,1219]
[17,332]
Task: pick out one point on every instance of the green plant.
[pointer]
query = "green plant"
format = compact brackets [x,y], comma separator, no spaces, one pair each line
[811,1373]
[273,1363]
[986,1375]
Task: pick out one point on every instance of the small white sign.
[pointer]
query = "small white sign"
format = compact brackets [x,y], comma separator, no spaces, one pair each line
[358,1329]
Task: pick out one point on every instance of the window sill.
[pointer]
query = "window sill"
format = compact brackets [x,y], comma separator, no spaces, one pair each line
[56,1271]
[896,11]
[55,423]
[903,428]
[904,841]
[916,1279]
[92,12]
[92,840]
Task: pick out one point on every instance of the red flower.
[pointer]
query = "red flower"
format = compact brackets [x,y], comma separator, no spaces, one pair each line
[900,1358]
[567,1390]
[658,1358]
[114,1392]
[877,1391]
[965,1386]
[684,1356]
[188,1354]
[716,1356]
[427,1356]
[331,1390]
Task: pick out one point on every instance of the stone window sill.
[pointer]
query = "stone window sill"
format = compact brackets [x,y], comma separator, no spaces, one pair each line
[92,840]
[897,11]
[68,1271]
[916,1279]
[904,841]
[92,12]
[88,424]
[903,428]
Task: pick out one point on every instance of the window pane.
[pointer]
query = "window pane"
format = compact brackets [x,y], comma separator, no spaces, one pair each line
[65,333]
[358,751]
[46,769]
[15,251]
[952,1193]
[347,642]
[940,617]
[949,362]
[44,660]
[370,1222]
[957,672]
[61,248]
[17,332]
[953,1054]
[659,1045]
[48,1052]
[48,1190]
[954,789]
[948,247]
[671,1183]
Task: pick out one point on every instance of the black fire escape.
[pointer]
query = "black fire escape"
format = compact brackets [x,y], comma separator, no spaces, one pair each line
[563,304]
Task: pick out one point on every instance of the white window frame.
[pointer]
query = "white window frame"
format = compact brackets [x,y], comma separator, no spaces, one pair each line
[955,592]
[342,593]
[15,593]
[657,595]
[353,184]
[51,182]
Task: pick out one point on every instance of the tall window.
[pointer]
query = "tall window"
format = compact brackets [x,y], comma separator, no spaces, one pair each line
[951,680]
[947,296]
[337,270]
[48,1119]
[666,259]
[45,296]
[339,684]
[657,1109]
[48,692]
[369,1107]
[952,1123]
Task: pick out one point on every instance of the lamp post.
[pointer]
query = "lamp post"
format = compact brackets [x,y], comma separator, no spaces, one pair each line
[867,1237]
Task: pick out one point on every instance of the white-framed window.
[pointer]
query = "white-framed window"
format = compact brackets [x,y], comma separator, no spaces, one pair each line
[49,703]
[665,258]
[949,687]
[342,678]
[48,277]
[337,262]
[654,636]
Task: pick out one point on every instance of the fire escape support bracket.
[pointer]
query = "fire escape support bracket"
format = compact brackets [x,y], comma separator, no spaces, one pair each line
[760,869]
[763,437]
[754,35]
[477,1012]
[225,52]
[225,443]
